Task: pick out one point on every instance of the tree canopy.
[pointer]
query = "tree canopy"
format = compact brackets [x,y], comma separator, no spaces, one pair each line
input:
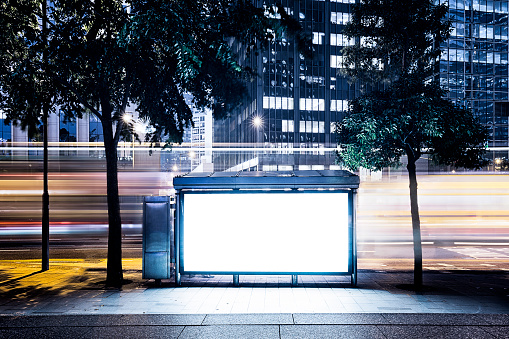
[410,118]
[397,48]
[394,38]
[98,56]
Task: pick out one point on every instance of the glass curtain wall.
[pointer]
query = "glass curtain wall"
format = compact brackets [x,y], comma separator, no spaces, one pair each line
[474,63]
[296,101]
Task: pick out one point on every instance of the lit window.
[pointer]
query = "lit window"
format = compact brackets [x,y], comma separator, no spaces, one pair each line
[318,38]
[321,127]
[315,127]
[340,40]
[290,126]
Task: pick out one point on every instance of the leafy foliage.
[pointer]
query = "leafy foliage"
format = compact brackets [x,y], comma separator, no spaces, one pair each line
[24,87]
[102,55]
[97,56]
[198,58]
[397,43]
[394,38]
[409,117]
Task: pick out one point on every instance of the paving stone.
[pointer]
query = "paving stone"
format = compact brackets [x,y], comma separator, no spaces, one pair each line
[435,319]
[136,332]
[433,332]
[330,331]
[162,319]
[45,333]
[255,319]
[231,331]
[496,319]
[501,332]
[44,321]
[339,318]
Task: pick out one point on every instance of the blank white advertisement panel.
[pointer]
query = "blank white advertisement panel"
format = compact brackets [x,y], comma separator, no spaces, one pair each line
[266,232]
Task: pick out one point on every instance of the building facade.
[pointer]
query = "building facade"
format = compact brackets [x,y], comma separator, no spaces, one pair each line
[474,63]
[294,103]
[196,151]
[300,100]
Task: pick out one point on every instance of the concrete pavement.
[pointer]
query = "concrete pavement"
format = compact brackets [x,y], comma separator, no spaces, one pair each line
[70,300]
[257,326]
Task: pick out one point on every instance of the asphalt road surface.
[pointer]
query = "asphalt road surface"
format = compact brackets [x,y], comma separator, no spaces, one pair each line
[376,256]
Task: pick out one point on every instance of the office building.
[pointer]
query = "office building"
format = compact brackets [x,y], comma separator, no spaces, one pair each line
[298,100]
[291,108]
[295,101]
[195,153]
[474,63]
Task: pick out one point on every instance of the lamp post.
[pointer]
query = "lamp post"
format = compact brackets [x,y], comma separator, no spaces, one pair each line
[257,121]
[45,193]
[128,120]
[257,124]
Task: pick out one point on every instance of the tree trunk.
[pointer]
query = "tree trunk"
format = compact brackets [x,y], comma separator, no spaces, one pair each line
[45,192]
[114,265]
[416,223]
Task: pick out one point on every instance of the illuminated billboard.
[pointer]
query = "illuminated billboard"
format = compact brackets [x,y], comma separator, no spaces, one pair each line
[289,232]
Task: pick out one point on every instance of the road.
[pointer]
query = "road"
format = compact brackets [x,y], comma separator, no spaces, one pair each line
[375,256]
[464,217]
[470,208]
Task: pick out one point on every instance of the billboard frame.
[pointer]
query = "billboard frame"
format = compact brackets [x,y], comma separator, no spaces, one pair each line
[255,182]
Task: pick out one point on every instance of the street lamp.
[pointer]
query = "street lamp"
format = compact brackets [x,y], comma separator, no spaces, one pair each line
[257,124]
[128,120]
[257,121]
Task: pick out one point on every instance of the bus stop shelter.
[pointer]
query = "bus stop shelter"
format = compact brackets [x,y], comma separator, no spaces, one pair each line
[271,223]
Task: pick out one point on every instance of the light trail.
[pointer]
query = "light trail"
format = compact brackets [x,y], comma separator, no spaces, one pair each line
[453,208]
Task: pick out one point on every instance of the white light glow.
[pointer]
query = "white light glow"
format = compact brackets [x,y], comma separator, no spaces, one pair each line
[266,232]
[257,121]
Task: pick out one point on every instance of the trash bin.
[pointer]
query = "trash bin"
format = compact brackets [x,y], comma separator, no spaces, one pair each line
[157,238]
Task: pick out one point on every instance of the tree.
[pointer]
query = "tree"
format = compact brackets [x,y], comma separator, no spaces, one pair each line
[398,46]
[102,55]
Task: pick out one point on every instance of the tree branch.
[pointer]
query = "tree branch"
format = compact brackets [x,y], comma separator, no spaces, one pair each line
[121,110]
[84,102]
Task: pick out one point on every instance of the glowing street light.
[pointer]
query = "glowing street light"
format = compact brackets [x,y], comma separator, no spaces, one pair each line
[257,121]
[126,118]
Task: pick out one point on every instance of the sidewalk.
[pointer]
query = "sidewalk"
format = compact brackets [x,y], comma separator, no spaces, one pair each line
[266,326]
[70,300]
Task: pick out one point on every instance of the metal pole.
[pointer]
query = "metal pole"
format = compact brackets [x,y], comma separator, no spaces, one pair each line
[45,194]
[176,232]
[353,201]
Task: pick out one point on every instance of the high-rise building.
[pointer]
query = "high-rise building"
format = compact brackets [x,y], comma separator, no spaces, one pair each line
[298,100]
[294,102]
[474,62]
[196,153]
